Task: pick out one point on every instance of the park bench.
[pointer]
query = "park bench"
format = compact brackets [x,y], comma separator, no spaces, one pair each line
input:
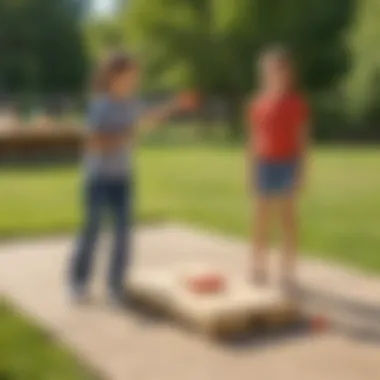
[45,145]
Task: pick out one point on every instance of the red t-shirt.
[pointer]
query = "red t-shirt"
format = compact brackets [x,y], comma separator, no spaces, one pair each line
[276,126]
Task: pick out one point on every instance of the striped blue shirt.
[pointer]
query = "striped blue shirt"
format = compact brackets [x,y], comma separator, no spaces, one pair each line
[110,116]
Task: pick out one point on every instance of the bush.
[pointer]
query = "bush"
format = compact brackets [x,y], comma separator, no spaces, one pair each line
[330,120]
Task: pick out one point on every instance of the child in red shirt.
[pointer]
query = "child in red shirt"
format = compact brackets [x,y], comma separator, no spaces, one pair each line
[278,129]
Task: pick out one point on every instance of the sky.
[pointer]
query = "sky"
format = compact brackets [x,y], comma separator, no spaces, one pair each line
[103,6]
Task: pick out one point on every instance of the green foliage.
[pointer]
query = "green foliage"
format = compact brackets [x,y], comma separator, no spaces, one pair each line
[315,30]
[330,119]
[364,38]
[28,353]
[212,45]
[219,40]
[41,45]
[102,34]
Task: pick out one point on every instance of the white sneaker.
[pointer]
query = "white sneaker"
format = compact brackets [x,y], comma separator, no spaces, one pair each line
[78,294]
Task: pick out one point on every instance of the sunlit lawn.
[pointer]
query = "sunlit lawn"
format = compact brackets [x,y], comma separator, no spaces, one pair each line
[205,186]
[27,353]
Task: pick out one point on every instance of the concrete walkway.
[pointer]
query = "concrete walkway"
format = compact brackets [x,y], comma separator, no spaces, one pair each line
[123,346]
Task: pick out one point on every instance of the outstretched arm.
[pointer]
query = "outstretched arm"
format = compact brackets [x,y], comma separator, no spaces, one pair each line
[99,139]
[157,115]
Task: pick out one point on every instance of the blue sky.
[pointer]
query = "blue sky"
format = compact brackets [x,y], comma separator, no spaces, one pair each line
[103,6]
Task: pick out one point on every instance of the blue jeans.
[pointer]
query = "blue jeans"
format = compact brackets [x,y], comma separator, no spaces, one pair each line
[101,195]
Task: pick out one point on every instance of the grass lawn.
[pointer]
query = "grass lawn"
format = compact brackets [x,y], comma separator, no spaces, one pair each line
[205,186]
[26,353]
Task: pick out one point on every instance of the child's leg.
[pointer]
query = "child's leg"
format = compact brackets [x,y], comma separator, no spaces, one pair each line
[289,224]
[119,197]
[261,239]
[82,260]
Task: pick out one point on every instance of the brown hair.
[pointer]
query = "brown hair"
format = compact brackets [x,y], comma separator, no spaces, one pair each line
[278,53]
[284,57]
[114,65]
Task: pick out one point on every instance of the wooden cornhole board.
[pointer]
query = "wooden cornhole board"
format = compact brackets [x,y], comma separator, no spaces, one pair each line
[240,308]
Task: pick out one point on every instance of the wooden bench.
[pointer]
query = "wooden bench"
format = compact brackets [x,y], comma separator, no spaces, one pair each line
[28,146]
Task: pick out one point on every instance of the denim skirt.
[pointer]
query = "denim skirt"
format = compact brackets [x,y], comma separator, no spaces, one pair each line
[276,178]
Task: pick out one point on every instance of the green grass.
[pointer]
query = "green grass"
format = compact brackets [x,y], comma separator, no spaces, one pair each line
[27,353]
[205,186]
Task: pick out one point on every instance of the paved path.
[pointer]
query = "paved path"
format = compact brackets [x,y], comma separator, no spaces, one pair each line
[122,346]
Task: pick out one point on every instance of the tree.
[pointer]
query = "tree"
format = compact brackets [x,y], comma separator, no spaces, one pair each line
[42,46]
[362,83]
[103,34]
[213,44]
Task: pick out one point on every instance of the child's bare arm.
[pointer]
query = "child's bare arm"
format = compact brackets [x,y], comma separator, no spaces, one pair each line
[157,115]
[250,163]
[304,149]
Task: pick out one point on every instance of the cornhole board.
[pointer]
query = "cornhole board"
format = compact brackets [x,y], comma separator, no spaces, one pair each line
[238,309]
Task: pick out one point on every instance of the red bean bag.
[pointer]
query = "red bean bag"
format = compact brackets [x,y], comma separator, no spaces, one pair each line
[208,283]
